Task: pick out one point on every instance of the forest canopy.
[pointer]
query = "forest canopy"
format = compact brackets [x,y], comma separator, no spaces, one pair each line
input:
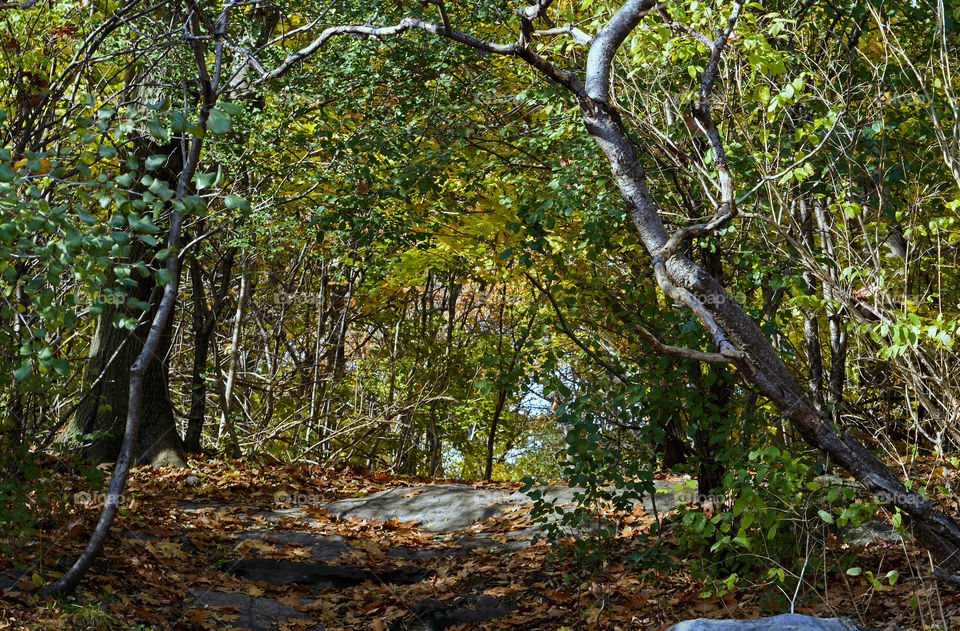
[575,239]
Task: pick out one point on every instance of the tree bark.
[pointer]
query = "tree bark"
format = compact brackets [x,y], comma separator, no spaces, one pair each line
[102,415]
[204,321]
[734,332]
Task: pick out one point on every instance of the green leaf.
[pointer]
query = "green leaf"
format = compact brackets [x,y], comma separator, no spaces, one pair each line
[155,161]
[235,202]
[854,571]
[158,130]
[205,180]
[825,516]
[219,122]
[141,224]
[178,122]
[24,370]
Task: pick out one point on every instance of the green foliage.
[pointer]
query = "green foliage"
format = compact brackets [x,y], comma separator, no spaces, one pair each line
[757,520]
[602,480]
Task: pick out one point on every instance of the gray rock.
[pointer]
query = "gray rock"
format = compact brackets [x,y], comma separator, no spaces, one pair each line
[437,508]
[256,614]
[486,541]
[872,531]
[199,507]
[437,615]
[323,547]
[448,507]
[784,622]
[465,545]
[192,481]
[322,576]
[10,578]
[294,512]
[420,554]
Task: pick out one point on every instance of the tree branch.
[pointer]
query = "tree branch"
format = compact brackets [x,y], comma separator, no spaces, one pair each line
[67,583]
[515,49]
[606,43]
[578,36]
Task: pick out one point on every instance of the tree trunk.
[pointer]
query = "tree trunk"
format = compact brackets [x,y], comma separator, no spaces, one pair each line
[103,414]
[736,335]
[204,321]
[492,436]
[226,404]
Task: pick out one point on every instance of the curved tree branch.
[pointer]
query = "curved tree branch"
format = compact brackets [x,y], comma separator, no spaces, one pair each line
[67,583]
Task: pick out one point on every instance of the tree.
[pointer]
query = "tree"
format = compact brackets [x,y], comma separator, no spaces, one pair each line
[738,340]
[680,274]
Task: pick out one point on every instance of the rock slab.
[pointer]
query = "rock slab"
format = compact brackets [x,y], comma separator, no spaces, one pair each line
[255,614]
[450,507]
[784,622]
[320,575]
[437,615]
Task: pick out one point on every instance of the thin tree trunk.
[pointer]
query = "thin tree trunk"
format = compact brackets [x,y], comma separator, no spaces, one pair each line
[67,583]
[204,323]
[226,421]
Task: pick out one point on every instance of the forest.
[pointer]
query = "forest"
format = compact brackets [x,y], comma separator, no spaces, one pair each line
[502,314]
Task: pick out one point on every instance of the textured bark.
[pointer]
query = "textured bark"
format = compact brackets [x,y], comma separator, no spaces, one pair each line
[725,320]
[104,412]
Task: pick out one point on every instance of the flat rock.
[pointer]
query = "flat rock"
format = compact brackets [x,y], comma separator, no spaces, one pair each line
[784,622]
[198,507]
[449,507]
[872,531]
[320,575]
[256,614]
[436,508]
[420,554]
[437,615]
[322,547]
[520,539]
[10,578]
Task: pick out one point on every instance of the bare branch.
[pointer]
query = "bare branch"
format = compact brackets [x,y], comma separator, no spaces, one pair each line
[793,166]
[703,114]
[515,49]
[679,352]
[686,298]
[536,10]
[562,323]
[578,36]
[684,29]
[443,13]
[606,43]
